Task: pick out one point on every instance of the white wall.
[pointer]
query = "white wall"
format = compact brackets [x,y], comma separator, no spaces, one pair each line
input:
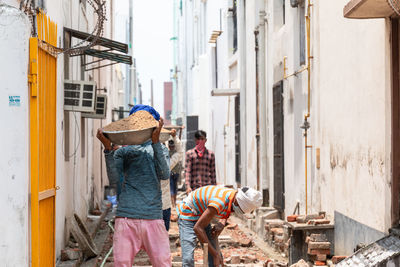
[350,113]
[14,163]
[83,174]
[354,116]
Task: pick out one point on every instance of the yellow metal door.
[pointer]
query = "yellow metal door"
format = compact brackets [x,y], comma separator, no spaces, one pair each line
[43,85]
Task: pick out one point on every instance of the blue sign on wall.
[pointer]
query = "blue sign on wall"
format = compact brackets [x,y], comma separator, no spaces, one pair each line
[14,100]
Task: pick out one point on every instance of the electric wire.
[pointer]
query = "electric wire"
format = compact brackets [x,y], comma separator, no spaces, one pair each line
[111,249]
[395,6]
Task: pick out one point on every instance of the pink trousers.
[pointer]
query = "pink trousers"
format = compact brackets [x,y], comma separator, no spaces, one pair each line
[132,235]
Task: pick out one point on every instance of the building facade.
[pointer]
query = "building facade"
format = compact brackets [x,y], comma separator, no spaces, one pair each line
[298,102]
[77,184]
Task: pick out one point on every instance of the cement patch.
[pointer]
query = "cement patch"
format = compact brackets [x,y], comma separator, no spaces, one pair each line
[349,233]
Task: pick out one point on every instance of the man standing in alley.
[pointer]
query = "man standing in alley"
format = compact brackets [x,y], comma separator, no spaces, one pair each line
[200,164]
[197,210]
[167,188]
[138,170]
[176,156]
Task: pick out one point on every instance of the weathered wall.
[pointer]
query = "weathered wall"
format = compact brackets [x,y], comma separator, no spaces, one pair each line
[14,116]
[353,116]
[350,116]
[282,41]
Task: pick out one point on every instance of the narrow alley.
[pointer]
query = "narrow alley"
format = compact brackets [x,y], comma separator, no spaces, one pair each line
[239,246]
[200,133]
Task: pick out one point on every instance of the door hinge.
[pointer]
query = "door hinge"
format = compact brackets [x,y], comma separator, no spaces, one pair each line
[32,77]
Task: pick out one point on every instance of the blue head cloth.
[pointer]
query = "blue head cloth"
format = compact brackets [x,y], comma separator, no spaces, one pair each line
[147,108]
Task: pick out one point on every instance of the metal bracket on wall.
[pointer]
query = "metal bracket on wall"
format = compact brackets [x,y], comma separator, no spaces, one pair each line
[285,68]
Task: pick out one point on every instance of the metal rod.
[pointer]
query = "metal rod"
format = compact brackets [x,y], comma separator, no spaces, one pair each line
[102,66]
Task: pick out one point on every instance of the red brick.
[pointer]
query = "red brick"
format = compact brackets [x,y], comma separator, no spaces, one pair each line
[235,259]
[318,257]
[318,251]
[291,218]
[319,263]
[321,257]
[337,259]
[277,231]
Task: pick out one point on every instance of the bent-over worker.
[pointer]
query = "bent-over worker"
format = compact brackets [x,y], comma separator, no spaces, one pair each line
[202,205]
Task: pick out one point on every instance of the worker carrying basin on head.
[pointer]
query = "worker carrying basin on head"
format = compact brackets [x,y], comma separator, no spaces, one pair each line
[202,205]
[137,171]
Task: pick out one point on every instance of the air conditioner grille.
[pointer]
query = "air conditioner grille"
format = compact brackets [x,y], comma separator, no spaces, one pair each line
[71,102]
[86,103]
[88,87]
[72,86]
[87,95]
[79,96]
[100,110]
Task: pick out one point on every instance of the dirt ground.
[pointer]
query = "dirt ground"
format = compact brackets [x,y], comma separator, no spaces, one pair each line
[239,247]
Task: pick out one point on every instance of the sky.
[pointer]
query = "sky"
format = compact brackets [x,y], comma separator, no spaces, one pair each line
[152,48]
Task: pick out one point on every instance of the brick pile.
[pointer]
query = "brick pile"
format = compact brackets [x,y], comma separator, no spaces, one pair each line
[277,235]
[318,249]
[312,219]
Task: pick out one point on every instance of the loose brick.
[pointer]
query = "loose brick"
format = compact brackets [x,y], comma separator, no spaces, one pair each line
[319,245]
[235,259]
[318,251]
[291,218]
[319,263]
[318,237]
[301,219]
[318,221]
[279,238]
[321,257]
[337,259]
[318,257]
[277,231]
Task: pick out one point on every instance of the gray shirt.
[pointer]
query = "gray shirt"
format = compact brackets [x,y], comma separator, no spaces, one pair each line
[137,170]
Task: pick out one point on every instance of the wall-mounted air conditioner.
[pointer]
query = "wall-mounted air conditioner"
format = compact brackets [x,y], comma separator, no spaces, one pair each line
[100,108]
[79,96]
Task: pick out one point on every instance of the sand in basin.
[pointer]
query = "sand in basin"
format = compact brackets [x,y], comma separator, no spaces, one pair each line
[137,121]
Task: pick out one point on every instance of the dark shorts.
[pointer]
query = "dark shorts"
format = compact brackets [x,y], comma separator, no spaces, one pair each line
[173,183]
[166,217]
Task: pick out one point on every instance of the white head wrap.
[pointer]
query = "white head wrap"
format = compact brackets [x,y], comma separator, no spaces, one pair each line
[249,199]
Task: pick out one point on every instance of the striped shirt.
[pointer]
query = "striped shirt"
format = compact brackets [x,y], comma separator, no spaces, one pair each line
[198,201]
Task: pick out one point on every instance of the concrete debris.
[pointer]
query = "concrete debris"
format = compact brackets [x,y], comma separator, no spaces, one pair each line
[310,217]
[235,259]
[72,263]
[318,237]
[300,263]
[384,252]
[275,264]
[337,259]
[318,248]
[318,221]
[82,235]
[232,226]
[71,254]
[277,235]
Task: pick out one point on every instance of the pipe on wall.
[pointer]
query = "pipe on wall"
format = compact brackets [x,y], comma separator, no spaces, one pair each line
[263,107]
[308,114]
[242,69]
